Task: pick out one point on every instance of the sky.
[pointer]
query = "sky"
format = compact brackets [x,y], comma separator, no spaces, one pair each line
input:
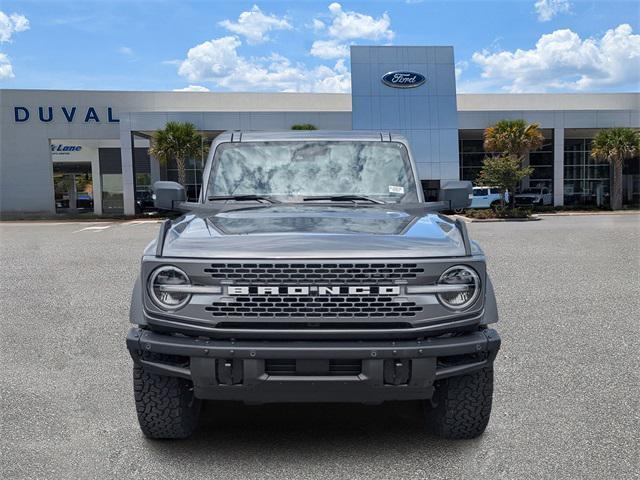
[303,46]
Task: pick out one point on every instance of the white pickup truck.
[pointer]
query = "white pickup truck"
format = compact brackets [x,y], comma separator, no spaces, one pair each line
[487,197]
[534,196]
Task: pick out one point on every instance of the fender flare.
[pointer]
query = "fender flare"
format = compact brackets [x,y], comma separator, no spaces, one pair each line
[136,313]
[490,305]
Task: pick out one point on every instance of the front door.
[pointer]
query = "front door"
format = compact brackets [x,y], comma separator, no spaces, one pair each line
[73,187]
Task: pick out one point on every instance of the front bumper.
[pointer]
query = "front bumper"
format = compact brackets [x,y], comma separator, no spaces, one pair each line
[260,371]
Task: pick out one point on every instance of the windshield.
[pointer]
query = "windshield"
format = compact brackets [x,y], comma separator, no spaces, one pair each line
[313,168]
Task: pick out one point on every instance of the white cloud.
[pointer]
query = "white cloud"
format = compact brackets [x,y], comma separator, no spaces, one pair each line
[353,25]
[254,25]
[218,61]
[6,70]
[346,26]
[460,67]
[10,24]
[561,60]
[547,9]
[212,59]
[126,51]
[192,88]
[328,49]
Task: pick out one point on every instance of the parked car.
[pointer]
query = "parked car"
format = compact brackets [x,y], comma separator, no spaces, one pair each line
[534,196]
[144,201]
[487,197]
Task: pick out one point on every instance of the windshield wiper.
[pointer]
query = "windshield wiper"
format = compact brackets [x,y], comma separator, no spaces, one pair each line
[239,198]
[341,198]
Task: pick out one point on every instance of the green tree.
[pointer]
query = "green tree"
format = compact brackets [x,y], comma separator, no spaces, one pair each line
[176,141]
[513,139]
[303,126]
[505,172]
[615,146]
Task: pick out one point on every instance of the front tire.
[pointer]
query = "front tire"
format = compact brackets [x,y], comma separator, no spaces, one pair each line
[462,405]
[165,405]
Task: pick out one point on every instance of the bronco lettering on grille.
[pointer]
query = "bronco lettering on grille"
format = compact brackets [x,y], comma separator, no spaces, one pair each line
[312,289]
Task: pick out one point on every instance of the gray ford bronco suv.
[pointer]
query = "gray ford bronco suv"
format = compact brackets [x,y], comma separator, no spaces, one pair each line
[312,270]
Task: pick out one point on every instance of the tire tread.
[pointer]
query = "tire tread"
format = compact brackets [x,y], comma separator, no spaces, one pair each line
[463,405]
[166,406]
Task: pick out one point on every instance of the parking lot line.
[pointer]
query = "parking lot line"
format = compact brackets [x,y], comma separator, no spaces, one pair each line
[94,228]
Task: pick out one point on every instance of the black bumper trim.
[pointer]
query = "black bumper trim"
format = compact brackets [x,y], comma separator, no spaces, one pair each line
[474,342]
[256,386]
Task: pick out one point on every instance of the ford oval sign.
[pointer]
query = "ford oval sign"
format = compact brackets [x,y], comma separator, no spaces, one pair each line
[403,79]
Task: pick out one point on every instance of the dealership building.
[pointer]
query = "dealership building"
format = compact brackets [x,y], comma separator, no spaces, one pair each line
[86,151]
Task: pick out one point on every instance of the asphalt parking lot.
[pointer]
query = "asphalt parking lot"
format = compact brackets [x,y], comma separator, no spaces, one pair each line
[567,377]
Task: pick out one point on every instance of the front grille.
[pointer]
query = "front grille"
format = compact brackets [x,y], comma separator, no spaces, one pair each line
[334,368]
[316,273]
[314,307]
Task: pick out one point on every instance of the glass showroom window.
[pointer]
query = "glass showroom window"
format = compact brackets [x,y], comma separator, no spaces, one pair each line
[542,162]
[586,180]
[472,155]
[193,172]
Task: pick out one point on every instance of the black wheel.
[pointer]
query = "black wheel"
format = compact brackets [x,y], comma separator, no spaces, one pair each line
[165,405]
[462,405]
[459,211]
[495,205]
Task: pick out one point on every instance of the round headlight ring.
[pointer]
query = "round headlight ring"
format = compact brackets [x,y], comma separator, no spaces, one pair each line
[168,275]
[464,275]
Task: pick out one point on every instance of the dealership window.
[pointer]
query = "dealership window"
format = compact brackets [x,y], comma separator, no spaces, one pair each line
[586,180]
[111,179]
[542,162]
[631,182]
[169,171]
[73,187]
[194,167]
[75,172]
[472,155]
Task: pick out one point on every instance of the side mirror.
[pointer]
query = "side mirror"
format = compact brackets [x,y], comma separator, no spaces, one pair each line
[167,195]
[458,194]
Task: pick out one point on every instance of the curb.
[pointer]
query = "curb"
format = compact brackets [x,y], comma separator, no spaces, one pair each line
[496,220]
[572,214]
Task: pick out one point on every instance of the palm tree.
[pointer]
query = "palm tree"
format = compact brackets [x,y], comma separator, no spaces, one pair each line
[615,146]
[176,141]
[515,139]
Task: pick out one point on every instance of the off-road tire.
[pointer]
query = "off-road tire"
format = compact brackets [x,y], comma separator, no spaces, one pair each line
[461,405]
[165,405]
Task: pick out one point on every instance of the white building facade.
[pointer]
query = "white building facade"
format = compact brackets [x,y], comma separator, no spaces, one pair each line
[86,151]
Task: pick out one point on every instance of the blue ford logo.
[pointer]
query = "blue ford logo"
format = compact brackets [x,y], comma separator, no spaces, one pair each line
[403,79]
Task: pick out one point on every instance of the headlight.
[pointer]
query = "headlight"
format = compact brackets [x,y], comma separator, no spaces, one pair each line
[460,276]
[162,288]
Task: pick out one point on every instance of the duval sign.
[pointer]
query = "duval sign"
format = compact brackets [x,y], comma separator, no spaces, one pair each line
[403,79]
[65,113]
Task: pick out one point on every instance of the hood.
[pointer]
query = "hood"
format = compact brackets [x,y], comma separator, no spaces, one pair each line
[314,231]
